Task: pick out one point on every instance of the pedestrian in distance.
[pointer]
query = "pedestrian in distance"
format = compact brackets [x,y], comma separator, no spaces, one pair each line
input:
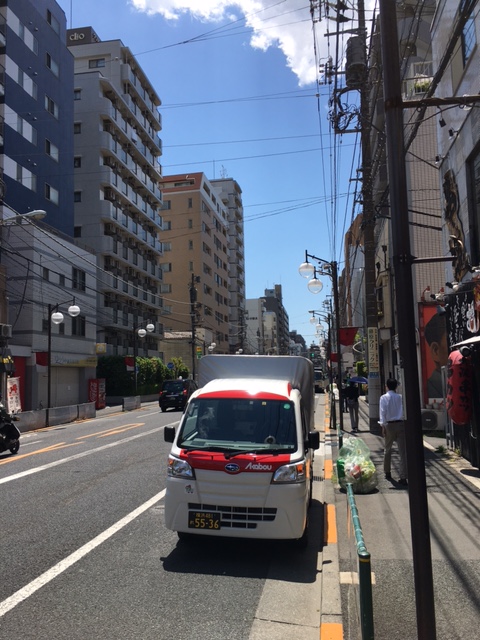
[393,429]
[352,393]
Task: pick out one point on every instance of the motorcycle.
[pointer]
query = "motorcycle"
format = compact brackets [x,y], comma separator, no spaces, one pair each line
[9,434]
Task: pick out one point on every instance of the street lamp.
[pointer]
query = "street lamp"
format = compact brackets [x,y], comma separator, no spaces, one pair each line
[212,347]
[307,270]
[140,331]
[36,214]
[55,317]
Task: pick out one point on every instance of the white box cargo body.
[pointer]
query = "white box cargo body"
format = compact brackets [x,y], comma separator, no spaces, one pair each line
[241,463]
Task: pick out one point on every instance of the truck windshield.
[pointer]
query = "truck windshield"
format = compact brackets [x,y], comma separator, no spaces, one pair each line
[240,424]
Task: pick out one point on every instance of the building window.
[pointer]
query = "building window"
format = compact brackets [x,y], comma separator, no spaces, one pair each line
[190,223]
[51,150]
[53,22]
[77,196]
[77,127]
[77,94]
[78,326]
[45,273]
[77,162]
[190,203]
[51,106]
[61,280]
[469,39]
[51,193]
[78,279]
[51,64]
[97,63]
[167,246]
[190,244]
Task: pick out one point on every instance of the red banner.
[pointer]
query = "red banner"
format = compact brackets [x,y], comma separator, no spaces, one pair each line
[347,335]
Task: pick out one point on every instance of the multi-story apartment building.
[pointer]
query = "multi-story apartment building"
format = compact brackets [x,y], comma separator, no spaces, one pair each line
[36,111]
[273,301]
[117,194]
[231,195]
[196,258]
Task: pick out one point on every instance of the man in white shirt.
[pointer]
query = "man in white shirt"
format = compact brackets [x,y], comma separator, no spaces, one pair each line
[393,429]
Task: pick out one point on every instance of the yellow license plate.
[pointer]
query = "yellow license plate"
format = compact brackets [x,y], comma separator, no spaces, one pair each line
[207,520]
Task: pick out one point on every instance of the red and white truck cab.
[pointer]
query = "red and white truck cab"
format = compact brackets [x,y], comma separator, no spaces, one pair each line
[241,463]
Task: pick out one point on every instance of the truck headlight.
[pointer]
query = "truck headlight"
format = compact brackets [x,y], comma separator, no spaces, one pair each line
[294,472]
[179,468]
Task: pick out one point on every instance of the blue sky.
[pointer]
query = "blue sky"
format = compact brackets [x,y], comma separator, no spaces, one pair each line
[239,92]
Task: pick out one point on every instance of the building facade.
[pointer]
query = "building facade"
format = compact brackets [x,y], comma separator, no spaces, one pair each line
[117,195]
[196,260]
[231,194]
[48,275]
[36,111]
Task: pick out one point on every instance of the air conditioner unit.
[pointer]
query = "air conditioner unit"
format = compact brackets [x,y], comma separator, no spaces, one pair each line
[433,420]
[6,330]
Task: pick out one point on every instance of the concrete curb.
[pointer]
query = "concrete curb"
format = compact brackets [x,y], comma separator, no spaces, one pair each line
[331,618]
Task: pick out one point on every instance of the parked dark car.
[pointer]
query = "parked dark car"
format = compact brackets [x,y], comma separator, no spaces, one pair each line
[175,394]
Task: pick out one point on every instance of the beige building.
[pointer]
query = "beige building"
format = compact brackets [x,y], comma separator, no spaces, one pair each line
[196,261]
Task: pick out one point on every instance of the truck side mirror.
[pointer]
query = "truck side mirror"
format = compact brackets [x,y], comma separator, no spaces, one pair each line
[169,434]
[313,440]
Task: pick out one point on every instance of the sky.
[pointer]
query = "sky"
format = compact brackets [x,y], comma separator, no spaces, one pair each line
[243,97]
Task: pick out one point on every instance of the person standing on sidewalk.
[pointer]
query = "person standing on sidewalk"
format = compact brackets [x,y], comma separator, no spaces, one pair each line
[393,429]
[351,394]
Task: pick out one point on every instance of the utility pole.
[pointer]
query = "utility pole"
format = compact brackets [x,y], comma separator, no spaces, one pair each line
[356,78]
[374,385]
[403,263]
[193,318]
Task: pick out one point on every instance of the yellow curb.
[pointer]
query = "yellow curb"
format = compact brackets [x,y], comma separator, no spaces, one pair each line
[331,631]
[328,469]
[330,525]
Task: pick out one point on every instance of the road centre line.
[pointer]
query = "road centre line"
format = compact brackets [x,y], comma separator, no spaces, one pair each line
[46,577]
[112,430]
[76,456]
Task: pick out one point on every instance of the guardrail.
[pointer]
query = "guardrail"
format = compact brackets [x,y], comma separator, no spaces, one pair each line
[365,600]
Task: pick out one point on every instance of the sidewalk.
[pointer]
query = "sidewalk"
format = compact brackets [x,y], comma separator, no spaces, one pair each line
[453,488]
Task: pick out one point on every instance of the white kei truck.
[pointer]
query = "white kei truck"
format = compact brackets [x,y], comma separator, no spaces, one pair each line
[241,462]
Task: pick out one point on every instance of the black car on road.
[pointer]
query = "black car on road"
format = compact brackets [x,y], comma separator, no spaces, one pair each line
[175,394]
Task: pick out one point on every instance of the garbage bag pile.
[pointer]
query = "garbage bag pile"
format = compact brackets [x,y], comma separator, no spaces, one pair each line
[355,467]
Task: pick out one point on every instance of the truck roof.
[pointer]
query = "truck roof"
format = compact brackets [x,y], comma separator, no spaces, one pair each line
[246,387]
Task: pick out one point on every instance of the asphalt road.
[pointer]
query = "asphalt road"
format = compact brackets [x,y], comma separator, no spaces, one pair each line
[85,553]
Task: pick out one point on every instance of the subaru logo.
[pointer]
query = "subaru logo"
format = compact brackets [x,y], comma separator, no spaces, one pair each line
[231,467]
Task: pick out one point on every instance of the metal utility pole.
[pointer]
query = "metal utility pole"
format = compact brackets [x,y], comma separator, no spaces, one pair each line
[193,318]
[374,384]
[403,262]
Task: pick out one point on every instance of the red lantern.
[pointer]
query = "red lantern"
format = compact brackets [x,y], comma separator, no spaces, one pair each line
[459,388]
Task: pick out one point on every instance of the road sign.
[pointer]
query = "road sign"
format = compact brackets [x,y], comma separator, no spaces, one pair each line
[170,365]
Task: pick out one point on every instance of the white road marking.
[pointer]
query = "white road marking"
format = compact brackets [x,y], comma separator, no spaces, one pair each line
[50,465]
[46,577]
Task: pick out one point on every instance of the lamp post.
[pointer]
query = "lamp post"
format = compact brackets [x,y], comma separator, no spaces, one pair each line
[36,214]
[55,317]
[307,270]
[140,331]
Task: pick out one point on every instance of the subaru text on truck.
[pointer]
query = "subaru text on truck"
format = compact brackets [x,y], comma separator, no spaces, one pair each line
[241,462]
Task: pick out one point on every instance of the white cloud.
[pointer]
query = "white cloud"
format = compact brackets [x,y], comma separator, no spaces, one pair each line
[274,23]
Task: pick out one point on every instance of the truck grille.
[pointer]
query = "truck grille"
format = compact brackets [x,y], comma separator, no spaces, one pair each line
[238,517]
